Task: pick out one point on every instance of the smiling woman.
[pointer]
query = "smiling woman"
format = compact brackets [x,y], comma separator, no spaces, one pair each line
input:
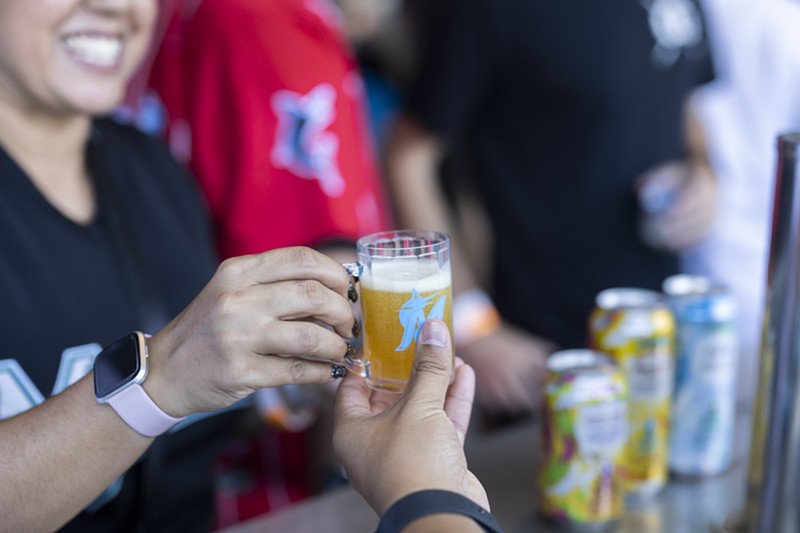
[61,62]
[103,234]
[73,56]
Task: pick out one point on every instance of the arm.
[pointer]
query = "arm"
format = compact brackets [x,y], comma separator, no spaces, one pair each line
[69,448]
[691,215]
[694,213]
[413,160]
[271,319]
[509,362]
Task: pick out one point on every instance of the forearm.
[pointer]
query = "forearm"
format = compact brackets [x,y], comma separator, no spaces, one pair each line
[413,161]
[695,136]
[70,448]
[412,170]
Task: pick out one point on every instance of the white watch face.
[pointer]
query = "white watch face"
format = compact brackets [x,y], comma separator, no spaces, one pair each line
[119,365]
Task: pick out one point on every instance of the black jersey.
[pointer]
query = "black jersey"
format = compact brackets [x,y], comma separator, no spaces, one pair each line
[64,296]
[561,105]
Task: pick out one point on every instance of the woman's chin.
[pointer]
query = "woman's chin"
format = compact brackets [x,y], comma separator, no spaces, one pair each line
[96,104]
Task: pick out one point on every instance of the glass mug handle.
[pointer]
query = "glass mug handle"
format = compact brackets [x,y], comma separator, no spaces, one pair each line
[351,361]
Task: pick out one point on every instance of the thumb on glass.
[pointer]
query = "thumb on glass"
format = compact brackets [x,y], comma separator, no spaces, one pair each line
[433,363]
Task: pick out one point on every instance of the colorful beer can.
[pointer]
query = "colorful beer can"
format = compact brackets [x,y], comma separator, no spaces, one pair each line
[636,328]
[585,425]
[704,405]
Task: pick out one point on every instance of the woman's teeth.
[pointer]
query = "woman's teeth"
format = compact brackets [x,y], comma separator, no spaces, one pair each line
[98,50]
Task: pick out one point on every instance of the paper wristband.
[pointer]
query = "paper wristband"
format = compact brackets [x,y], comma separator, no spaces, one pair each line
[427,502]
[474,317]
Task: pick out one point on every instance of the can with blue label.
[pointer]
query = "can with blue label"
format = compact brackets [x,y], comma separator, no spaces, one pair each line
[704,405]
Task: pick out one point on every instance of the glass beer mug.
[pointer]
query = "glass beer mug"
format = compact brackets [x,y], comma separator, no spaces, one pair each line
[405,279]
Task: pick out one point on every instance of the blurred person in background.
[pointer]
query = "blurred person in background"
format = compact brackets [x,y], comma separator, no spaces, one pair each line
[265,103]
[756,97]
[103,233]
[379,31]
[556,114]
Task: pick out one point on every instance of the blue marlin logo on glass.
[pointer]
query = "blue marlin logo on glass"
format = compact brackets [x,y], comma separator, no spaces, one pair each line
[412,315]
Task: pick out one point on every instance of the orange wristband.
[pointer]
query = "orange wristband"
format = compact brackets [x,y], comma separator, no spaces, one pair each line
[279,414]
[474,317]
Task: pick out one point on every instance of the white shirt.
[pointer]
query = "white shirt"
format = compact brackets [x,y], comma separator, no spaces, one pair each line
[756,96]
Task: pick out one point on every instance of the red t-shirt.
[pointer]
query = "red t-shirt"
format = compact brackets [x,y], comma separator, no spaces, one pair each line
[265,103]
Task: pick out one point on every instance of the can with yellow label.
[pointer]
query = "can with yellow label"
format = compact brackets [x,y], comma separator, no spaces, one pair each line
[583,432]
[637,329]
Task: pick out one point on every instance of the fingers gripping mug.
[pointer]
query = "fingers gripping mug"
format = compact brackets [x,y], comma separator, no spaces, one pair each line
[405,279]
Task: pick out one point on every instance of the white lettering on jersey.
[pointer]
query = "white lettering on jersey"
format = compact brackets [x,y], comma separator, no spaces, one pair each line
[17,391]
[76,362]
[676,27]
[18,394]
[303,146]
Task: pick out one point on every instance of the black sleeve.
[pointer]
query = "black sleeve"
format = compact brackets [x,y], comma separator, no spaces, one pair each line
[454,68]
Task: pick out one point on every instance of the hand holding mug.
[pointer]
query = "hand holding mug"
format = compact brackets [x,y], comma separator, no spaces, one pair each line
[263,320]
[405,280]
[394,445]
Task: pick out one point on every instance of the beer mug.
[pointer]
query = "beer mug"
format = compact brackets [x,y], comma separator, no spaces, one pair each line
[405,280]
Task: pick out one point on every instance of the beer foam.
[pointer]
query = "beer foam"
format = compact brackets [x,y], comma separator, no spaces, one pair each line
[402,276]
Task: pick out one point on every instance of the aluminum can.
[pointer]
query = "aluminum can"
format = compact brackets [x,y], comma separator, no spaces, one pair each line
[636,328]
[704,405]
[584,428]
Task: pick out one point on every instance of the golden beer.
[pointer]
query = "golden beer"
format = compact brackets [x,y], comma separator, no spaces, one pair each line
[397,297]
[393,309]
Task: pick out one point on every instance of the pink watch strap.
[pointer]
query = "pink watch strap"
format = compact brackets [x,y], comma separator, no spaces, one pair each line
[141,413]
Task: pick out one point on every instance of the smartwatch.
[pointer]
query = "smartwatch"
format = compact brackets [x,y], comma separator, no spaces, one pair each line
[119,371]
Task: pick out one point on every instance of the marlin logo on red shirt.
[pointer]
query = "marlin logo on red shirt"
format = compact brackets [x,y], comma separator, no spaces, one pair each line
[303,146]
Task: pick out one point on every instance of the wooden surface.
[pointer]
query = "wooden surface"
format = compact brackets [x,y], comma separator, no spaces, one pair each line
[506,464]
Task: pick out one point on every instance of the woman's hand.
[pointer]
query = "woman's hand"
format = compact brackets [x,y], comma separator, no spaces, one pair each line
[263,320]
[392,445]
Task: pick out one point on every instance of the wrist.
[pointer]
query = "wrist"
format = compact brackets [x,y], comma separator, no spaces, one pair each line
[400,490]
[158,385]
[433,502]
[120,371]
[474,317]
[436,523]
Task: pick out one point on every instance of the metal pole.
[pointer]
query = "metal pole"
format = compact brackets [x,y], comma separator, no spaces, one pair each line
[773,488]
